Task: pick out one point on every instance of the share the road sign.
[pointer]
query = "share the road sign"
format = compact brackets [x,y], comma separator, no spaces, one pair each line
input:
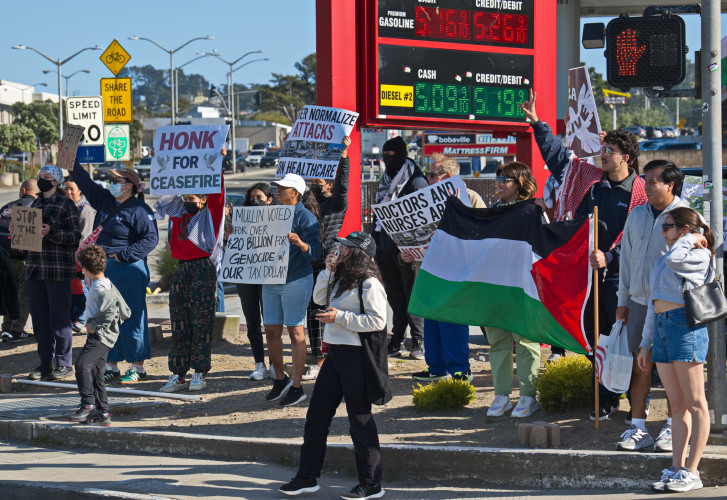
[115,57]
[116,93]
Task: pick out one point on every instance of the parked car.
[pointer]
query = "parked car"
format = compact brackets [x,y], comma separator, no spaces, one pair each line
[227,162]
[637,130]
[270,159]
[261,145]
[654,133]
[143,167]
[255,156]
[237,199]
[101,172]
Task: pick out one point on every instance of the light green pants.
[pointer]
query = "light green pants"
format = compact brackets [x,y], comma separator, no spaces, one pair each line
[528,361]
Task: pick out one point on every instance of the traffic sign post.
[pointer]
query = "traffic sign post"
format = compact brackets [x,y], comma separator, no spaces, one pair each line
[116,93]
[115,57]
[88,113]
[117,142]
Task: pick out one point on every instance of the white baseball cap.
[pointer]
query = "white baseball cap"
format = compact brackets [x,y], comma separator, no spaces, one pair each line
[294,181]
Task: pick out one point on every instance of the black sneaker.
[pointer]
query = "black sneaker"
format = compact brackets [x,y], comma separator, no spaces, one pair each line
[100,420]
[5,336]
[605,411]
[43,372]
[82,414]
[426,375]
[299,485]
[394,351]
[280,389]
[364,491]
[295,395]
[464,377]
[18,337]
[75,327]
[61,372]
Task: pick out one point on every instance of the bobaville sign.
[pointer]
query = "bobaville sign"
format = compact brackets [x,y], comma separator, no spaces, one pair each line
[467,144]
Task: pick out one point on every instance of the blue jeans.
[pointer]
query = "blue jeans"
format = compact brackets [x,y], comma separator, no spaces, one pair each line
[220,307]
[675,340]
[446,347]
[287,304]
[131,279]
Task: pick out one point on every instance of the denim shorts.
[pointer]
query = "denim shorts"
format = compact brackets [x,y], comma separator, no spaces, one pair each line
[287,304]
[675,340]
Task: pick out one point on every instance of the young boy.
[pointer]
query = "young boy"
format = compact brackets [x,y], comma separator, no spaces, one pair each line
[105,311]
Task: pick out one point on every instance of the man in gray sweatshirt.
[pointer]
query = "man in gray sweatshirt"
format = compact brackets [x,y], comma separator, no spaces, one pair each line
[642,245]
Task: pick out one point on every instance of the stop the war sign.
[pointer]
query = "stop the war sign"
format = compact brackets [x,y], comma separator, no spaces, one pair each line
[88,113]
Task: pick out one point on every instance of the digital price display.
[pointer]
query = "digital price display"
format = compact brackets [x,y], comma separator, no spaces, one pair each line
[483,22]
[474,86]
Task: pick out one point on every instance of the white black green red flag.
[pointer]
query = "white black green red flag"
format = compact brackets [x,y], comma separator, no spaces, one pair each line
[503,267]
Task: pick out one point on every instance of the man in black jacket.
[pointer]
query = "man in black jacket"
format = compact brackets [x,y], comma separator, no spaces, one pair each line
[14,330]
[402,177]
[332,199]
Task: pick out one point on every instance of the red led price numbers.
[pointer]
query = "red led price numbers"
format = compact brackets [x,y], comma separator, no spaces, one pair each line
[433,22]
[498,27]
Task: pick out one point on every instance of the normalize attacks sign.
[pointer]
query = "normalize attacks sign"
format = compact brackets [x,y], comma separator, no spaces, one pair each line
[188,159]
[314,145]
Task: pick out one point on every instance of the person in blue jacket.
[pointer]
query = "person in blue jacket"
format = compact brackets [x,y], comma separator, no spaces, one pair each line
[287,304]
[128,236]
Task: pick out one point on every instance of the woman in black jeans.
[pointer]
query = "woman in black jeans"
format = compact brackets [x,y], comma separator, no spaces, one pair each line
[259,194]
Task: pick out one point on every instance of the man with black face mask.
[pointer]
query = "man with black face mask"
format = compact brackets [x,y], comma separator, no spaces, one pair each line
[402,177]
[332,199]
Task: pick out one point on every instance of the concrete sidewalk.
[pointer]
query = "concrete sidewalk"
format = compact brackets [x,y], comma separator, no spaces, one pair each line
[30,472]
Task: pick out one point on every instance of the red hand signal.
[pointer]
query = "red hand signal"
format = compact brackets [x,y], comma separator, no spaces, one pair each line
[628,52]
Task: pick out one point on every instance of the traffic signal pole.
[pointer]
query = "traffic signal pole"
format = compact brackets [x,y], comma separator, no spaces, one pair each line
[712,169]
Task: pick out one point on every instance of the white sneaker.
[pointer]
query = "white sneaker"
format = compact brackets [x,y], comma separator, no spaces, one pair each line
[271,372]
[174,385]
[197,383]
[501,404]
[684,480]
[553,357]
[634,439]
[311,372]
[260,372]
[663,440]
[525,407]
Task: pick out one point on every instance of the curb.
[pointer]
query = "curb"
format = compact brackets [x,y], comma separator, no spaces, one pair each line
[19,489]
[548,468]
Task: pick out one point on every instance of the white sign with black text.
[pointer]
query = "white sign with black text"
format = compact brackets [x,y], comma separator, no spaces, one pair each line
[88,113]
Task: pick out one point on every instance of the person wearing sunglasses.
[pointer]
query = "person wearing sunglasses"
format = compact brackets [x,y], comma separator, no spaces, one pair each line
[642,245]
[615,188]
[679,350]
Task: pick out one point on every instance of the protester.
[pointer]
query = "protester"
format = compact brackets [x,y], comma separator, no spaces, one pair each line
[196,242]
[286,304]
[49,274]
[332,197]
[357,310]
[515,183]
[105,311]
[446,345]
[615,189]
[13,330]
[401,177]
[678,350]
[129,235]
[641,247]
[78,290]
[220,297]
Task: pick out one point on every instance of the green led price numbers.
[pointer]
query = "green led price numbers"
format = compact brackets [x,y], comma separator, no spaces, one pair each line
[499,102]
[442,98]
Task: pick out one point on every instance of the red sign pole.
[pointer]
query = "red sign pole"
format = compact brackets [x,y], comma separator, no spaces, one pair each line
[337,80]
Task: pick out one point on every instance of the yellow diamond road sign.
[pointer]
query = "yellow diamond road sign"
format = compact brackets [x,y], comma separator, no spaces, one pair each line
[115,57]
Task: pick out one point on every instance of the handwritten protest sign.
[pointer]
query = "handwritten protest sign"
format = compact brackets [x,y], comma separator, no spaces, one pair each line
[412,219]
[257,250]
[26,229]
[72,135]
[582,126]
[315,143]
[188,159]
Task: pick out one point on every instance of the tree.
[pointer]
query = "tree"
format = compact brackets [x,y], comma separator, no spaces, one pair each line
[40,117]
[16,138]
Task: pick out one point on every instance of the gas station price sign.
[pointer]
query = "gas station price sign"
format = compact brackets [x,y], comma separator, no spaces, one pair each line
[441,83]
[483,22]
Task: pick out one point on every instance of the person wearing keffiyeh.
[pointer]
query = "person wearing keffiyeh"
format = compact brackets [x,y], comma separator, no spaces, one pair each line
[616,189]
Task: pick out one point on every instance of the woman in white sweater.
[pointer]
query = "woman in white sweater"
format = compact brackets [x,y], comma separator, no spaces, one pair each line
[357,306]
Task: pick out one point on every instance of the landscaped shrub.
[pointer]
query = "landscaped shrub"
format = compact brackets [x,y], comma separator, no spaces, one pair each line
[566,384]
[165,265]
[445,394]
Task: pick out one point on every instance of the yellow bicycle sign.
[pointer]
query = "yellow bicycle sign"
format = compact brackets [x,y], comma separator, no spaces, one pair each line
[115,57]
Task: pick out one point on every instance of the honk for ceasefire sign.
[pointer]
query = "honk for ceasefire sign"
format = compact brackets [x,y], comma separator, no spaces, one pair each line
[188,159]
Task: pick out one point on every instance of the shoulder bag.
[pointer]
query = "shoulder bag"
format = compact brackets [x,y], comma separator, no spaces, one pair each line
[705,303]
[376,361]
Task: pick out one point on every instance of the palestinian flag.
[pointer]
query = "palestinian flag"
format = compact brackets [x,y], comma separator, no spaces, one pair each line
[503,267]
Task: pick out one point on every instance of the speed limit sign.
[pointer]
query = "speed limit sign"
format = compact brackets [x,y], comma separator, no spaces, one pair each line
[87,112]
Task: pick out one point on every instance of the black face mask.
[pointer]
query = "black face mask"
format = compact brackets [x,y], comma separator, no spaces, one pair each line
[257,202]
[317,190]
[191,207]
[44,185]
[392,165]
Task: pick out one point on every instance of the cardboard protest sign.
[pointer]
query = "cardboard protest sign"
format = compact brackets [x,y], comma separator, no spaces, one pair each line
[188,159]
[315,143]
[257,250]
[412,219]
[72,135]
[583,126]
[26,228]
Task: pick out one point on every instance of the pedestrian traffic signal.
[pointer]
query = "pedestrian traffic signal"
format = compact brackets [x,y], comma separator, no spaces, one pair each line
[258,98]
[645,52]
[213,91]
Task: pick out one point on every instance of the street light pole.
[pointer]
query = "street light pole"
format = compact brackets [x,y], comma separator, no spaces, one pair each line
[46,71]
[171,52]
[58,63]
[231,90]
[176,73]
